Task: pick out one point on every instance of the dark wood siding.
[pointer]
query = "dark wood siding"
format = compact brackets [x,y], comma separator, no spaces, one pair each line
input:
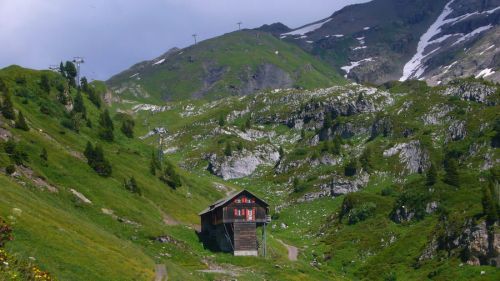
[245,238]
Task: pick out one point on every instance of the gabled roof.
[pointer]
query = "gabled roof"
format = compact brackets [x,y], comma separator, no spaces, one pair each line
[231,196]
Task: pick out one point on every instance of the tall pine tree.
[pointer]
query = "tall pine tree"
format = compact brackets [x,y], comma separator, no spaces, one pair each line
[451,177]
[79,105]
[21,122]
[431,175]
[366,159]
[489,204]
[106,126]
[8,107]
[128,126]
[70,70]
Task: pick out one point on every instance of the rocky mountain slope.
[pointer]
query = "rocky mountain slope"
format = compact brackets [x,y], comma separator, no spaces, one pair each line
[385,40]
[374,42]
[237,63]
[369,183]
[352,163]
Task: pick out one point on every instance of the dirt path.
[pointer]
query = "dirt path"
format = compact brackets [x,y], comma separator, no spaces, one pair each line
[293,251]
[161,273]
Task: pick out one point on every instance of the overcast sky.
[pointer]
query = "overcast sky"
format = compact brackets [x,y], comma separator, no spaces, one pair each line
[114,34]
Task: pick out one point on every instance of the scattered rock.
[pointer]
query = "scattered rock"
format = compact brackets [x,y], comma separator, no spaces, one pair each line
[80,196]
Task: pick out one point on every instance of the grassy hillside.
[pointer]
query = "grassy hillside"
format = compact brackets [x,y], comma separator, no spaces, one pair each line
[379,223]
[112,235]
[236,63]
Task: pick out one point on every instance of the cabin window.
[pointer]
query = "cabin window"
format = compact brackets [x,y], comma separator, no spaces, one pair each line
[250,214]
[239,212]
[237,200]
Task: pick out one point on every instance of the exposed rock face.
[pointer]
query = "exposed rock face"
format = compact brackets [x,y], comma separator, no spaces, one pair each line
[242,163]
[267,76]
[382,126]
[311,114]
[457,131]
[478,244]
[415,158]
[437,115]
[339,186]
[405,214]
[472,92]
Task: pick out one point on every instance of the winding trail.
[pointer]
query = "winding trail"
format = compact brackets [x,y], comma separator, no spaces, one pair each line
[161,273]
[293,251]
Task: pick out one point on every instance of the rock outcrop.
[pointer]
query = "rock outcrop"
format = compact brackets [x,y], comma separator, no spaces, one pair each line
[242,163]
[471,91]
[411,154]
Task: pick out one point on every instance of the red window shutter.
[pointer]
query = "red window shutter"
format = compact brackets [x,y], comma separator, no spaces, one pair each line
[243,199]
[235,212]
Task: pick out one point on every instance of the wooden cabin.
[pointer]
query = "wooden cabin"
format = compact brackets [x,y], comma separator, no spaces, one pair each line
[232,222]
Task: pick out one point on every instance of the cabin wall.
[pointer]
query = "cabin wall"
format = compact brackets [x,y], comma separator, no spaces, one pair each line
[245,239]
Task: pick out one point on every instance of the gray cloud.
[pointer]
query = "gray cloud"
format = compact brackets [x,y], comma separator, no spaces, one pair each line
[114,34]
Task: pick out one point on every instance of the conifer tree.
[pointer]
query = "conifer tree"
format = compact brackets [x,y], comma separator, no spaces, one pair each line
[70,71]
[131,185]
[61,69]
[79,105]
[21,122]
[451,177]
[171,177]
[94,97]
[8,107]
[337,145]
[89,152]
[154,164]
[128,127]
[366,160]
[84,84]
[106,126]
[431,175]
[489,204]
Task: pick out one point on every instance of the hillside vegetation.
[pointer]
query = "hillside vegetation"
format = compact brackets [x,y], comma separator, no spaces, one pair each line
[391,183]
[236,63]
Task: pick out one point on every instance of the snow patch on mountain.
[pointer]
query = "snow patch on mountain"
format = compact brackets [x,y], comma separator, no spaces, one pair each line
[159,62]
[472,34]
[307,28]
[485,73]
[487,49]
[354,64]
[415,68]
[468,15]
